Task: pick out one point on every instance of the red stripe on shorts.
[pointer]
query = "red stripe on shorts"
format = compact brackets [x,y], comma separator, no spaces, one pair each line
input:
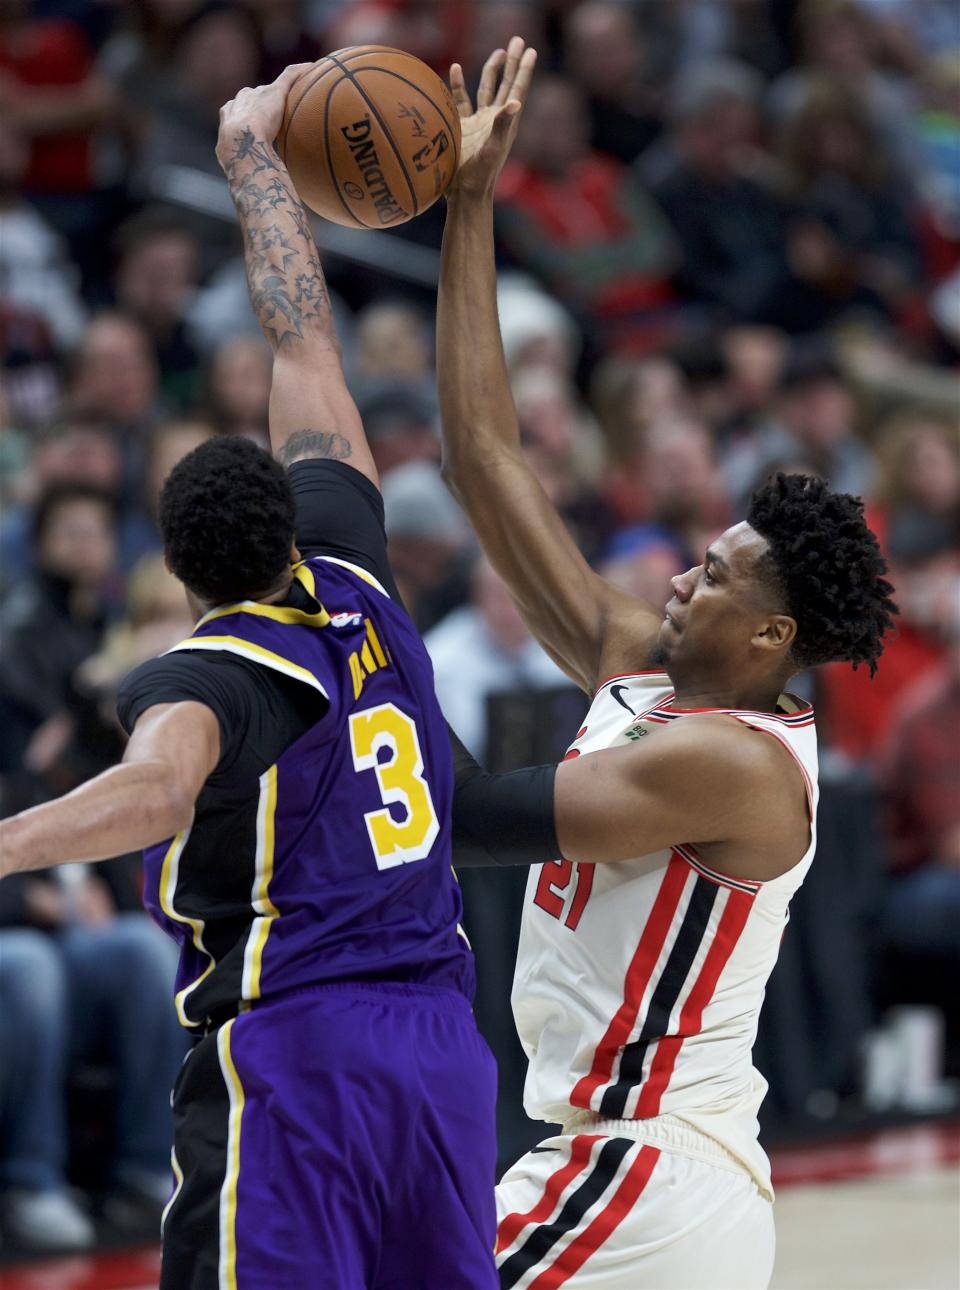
[638,976]
[606,1222]
[513,1224]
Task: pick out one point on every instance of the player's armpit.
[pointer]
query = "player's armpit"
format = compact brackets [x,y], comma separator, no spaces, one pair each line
[145,800]
[504,819]
[708,781]
[181,741]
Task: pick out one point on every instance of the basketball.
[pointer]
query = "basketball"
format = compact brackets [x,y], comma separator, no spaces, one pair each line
[370,136]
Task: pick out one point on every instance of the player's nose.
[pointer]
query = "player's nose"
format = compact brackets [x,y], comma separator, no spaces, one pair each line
[682,584]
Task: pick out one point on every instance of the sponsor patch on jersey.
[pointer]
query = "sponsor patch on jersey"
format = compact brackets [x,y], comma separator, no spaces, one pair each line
[346,620]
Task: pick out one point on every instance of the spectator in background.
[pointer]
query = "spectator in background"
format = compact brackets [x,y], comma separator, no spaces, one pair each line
[642,563]
[921,789]
[937,142]
[238,388]
[34,269]
[850,244]
[535,329]
[686,502]
[495,22]
[715,188]
[604,53]
[283,37]
[114,381]
[755,356]
[918,474]
[30,366]
[52,92]
[79,453]
[49,625]
[215,51]
[429,540]
[566,451]
[114,377]
[857,712]
[80,981]
[629,397]
[839,45]
[503,657]
[580,222]
[400,424]
[434,33]
[393,341]
[813,422]
[157,618]
[170,443]
[908,30]
[157,266]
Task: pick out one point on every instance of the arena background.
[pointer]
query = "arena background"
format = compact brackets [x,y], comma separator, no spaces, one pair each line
[729,239]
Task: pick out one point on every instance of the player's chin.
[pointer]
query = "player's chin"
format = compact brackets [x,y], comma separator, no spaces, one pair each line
[666,638]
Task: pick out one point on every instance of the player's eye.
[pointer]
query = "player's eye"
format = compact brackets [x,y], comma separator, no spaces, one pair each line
[708,577]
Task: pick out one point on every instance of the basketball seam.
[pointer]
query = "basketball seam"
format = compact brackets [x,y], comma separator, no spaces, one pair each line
[423,93]
[329,151]
[316,81]
[383,126]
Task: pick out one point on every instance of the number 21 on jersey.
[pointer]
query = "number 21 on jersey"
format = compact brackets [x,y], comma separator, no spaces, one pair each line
[400,779]
[552,885]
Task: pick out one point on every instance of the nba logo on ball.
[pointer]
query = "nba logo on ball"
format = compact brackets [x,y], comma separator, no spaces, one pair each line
[371,136]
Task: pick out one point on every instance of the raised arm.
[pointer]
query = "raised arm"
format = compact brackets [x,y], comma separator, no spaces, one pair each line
[573,612]
[311,411]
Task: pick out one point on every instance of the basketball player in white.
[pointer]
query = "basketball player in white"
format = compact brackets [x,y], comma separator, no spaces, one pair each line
[684,813]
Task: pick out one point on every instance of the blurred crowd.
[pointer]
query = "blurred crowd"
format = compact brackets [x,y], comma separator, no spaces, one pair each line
[729,241]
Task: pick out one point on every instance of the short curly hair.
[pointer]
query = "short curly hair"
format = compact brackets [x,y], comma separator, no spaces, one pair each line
[825,564]
[227,518]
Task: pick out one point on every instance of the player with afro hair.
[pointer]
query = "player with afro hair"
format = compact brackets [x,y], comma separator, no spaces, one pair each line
[825,565]
[227,517]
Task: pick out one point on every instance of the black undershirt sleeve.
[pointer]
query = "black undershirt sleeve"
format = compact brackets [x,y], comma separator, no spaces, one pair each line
[259,713]
[502,819]
[340,513]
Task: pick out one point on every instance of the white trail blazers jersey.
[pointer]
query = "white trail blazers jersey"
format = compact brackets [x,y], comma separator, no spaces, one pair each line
[638,985]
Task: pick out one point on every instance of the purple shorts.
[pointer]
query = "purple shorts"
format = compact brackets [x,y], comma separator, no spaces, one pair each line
[340,1139]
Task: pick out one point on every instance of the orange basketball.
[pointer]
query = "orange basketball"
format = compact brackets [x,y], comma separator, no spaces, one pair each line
[371,136]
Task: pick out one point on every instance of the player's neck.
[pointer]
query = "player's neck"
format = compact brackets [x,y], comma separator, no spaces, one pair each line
[279,591]
[749,697]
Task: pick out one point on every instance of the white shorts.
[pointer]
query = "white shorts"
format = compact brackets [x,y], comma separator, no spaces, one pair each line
[592,1211]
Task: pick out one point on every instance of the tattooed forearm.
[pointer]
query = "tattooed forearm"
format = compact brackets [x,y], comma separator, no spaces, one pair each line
[304,444]
[287,287]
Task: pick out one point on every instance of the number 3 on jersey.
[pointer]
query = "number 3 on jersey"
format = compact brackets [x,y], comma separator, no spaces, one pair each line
[401,781]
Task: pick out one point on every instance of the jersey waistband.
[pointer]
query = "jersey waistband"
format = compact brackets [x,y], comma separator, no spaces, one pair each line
[441,997]
[664,1131]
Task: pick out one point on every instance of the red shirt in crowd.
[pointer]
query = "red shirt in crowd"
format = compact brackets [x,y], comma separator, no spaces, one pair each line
[51,55]
[590,232]
[921,772]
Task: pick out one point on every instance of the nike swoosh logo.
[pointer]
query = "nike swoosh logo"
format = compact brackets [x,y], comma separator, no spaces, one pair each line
[614,690]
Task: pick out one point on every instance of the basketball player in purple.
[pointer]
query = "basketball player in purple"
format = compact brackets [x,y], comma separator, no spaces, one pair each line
[289,776]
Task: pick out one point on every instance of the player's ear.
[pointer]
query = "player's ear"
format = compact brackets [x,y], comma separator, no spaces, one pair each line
[776,633]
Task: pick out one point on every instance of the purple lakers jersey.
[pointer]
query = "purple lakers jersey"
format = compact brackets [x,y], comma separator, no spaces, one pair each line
[337,867]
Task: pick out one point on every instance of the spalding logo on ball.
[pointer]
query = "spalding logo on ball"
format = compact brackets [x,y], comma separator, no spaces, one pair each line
[371,136]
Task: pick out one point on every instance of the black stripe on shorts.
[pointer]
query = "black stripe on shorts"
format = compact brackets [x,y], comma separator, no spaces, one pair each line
[545,1237]
[201,1113]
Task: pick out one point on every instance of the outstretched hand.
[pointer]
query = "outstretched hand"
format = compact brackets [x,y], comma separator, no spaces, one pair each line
[487,133]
